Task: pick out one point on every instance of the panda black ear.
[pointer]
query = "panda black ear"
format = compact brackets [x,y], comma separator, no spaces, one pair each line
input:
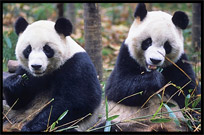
[20,25]
[63,26]
[180,19]
[140,11]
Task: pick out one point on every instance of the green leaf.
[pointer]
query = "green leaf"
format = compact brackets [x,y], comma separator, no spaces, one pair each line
[195,103]
[24,76]
[171,105]
[62,115]
[160,120]
[172,115]
[106,102]
[190,90]
[157,111]
[8,41]
[189,125]
[112,117]
[178,87]
[187,100]
[159,96]
[159,69]
[53,126]
[108,128]
[140,92]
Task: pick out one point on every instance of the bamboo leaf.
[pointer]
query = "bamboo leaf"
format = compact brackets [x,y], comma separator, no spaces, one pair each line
[178,87]
[195,103]
[187,100]
[112,117]
[62,115]
[159,96]
[157,110]
[160,120]
[108,128]
[8,41]
[159,69]
[190,90]
[53,126]
[172,115]
[188,123]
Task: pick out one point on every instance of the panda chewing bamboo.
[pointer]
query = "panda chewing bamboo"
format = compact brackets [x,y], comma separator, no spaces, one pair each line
[152,38]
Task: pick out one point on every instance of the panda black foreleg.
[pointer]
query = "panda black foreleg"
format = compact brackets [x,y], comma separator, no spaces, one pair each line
[120,87]
[22,86]
[148,83]
[15,87]
[40,121]
[177,77]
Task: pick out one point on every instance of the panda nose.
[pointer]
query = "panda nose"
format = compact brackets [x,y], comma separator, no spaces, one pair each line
[36,67]
[155,61]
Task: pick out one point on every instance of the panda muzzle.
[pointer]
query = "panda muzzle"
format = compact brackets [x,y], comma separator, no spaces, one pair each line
[152,67]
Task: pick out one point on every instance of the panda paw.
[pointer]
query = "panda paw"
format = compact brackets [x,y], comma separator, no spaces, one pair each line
[12,81]
[31,128]
[26,129]
[15,80]
[157,79]
[34,126]
[15,83]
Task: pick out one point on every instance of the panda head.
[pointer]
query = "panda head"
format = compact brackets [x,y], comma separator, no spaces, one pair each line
[154,36]
[41,46]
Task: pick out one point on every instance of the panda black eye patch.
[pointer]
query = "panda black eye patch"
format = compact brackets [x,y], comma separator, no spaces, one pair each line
[49,52]
[27,51]
[167,47]
[146,43]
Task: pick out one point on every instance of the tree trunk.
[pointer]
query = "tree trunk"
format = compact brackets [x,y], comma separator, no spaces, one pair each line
[60,7]
[196,26]
[71,15]
[93,40]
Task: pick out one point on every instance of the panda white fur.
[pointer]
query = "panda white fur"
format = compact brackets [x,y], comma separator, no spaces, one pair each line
[52,66]
[152,37]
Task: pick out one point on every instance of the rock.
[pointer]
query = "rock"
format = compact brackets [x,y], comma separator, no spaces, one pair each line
[12,66]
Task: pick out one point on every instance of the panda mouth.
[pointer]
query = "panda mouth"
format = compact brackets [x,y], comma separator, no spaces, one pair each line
[149,67]
[38,73]
[152,67]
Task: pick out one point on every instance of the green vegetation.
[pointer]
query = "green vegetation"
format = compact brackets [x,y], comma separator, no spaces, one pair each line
[9,41]
[116,19]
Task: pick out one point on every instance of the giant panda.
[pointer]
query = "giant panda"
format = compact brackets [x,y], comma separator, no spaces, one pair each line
[142,69]
[52,66]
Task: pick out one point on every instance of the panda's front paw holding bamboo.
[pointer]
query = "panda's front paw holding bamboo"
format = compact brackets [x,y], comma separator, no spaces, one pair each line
[24,79]
[14,81]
